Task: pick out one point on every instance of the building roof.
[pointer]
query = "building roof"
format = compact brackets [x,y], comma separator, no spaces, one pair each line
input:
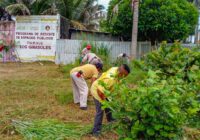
[87,31]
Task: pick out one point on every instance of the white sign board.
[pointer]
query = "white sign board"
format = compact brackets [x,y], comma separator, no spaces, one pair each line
[36,37]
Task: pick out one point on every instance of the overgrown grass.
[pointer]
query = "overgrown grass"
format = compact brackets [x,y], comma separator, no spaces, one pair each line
[34,91]
[64,98]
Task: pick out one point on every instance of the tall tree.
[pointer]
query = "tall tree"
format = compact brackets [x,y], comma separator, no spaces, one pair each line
[4,16]
[135,5]
[29,7]
[78,11]
[158,20]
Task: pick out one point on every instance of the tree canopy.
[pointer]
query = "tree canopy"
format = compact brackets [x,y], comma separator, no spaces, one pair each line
[79,11]
[158,19]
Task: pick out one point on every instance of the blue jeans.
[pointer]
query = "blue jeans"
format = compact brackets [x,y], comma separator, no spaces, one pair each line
[99,116]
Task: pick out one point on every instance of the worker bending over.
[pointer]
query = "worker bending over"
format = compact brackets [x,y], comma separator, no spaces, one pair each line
[79,75]
[109,78]
[123,58]
[91,58]
[85,51]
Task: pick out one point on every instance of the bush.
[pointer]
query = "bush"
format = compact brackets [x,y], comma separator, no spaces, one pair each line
[154,110]
[174,61]
[164,101]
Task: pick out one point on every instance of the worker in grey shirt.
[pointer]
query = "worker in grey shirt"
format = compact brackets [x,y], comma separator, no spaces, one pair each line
[91,58]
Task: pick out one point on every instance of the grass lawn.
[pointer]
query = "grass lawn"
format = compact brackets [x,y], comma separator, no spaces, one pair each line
[31,91]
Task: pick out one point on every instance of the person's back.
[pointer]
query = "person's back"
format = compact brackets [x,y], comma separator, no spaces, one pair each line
[79,75]
[85,51]
[91,58]
[87,70]
[109,79]
[122,58]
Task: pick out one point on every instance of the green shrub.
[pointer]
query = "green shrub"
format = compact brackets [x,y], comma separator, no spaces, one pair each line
[155,110]
[174,60]
[164,101]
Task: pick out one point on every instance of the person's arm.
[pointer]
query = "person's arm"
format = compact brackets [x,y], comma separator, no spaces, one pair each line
[95,76]
[93,79]
[83,52]
[84,60]
[128,57]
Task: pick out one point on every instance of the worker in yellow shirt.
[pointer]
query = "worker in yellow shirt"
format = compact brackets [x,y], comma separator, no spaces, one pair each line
[80,88]
[109,78]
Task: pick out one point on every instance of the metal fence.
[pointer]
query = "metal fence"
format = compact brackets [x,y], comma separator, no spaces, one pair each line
[67,51]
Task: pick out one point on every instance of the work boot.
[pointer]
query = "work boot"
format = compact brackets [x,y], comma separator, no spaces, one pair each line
[83,108]
[96,134]
[77,103]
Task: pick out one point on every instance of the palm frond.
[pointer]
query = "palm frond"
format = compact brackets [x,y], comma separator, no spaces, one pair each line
[39,6]
[5,3]
[50,11]
[18,9]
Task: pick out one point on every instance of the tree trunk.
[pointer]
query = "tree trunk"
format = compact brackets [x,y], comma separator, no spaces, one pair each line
[135,28]
[197,31]
[196,40]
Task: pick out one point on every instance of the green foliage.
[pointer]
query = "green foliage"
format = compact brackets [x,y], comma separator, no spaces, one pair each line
[164,101]
[76,10]
[50,129]
[25,7]
[137,74]
[174,61]
[158,19]
[99,49]
[54,129]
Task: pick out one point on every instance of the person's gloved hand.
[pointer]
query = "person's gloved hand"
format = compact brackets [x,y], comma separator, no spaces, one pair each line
[79,74]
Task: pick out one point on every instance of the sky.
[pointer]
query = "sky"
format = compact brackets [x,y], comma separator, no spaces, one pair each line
[104,2]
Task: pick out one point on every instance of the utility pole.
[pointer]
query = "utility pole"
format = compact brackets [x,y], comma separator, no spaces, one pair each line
[135,6]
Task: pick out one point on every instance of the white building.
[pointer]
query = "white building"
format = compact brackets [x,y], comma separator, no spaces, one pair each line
[96,18]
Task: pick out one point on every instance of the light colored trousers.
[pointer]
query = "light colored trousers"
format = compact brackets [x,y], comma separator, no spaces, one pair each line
[80,90]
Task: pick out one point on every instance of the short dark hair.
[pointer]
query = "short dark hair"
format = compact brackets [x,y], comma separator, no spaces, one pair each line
[124,55]
[99,65]
[126,67]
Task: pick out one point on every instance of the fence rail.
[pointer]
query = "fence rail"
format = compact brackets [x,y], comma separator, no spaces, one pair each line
[67,51]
